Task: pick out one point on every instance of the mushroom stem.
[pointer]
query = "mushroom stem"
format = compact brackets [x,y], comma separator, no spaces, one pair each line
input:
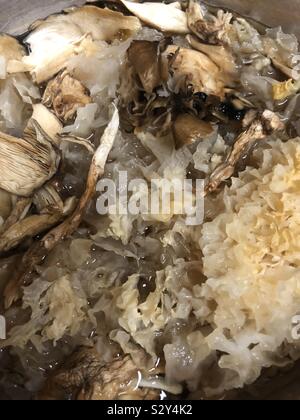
[27,163]
[259,129]
[18,213]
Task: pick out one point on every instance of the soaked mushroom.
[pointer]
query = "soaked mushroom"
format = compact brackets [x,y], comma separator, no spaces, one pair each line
[165,17]
[211,29]
[194,70]
[48,122]
[65,95]
[39,250]
[187,129]
[260,128]
[190,84]
[51,210]
[11,54]
[26,164]
[6,205]
[283,90]
[144,57]
[47,199]
[55,40]
[87,377]
[18,213]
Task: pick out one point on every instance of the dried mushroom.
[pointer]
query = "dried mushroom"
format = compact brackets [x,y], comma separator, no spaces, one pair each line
[48,122]
[259,129]
[29,227]
[211,29]
[165,17]
[65,95]
[60,37]
[26,164]
[19,212]
[220,55]
[145,58]
[187,129]
[11,54]
[6,205]
[39,250]
[87,377]
[283,90]
[47,199]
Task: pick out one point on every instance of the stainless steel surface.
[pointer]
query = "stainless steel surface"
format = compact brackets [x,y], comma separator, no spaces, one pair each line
[16,15]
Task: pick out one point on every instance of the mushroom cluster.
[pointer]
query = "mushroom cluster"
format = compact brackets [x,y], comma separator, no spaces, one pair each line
[176,90]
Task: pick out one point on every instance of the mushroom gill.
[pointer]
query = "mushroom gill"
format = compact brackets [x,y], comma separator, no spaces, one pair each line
[145,58]
[28,162]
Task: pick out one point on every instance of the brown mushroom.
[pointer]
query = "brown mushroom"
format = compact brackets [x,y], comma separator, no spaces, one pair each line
[210,29]
[144,57]
[64,94]
[195,71]
[60,37]
[261,127]
[27,163]
[187,129]
[164,17]
[39,250]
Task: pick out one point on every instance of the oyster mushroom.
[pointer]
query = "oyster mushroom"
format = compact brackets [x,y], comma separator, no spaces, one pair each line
[144,57]
[87,377]
[11,55]
[47,199]
[261,127]
[54,128]
[26,163]
[165,17]
[194,70]
[18,213]
[39,250]
[188,128]
[48,122]
[64,94]
[36,224]
[220,55]
[210,29]
[60,37]
[6,205]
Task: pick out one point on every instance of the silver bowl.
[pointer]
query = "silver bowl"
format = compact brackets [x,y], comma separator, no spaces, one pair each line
[17,15]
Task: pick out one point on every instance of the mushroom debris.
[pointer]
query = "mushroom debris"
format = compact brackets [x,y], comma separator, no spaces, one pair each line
[160,92]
